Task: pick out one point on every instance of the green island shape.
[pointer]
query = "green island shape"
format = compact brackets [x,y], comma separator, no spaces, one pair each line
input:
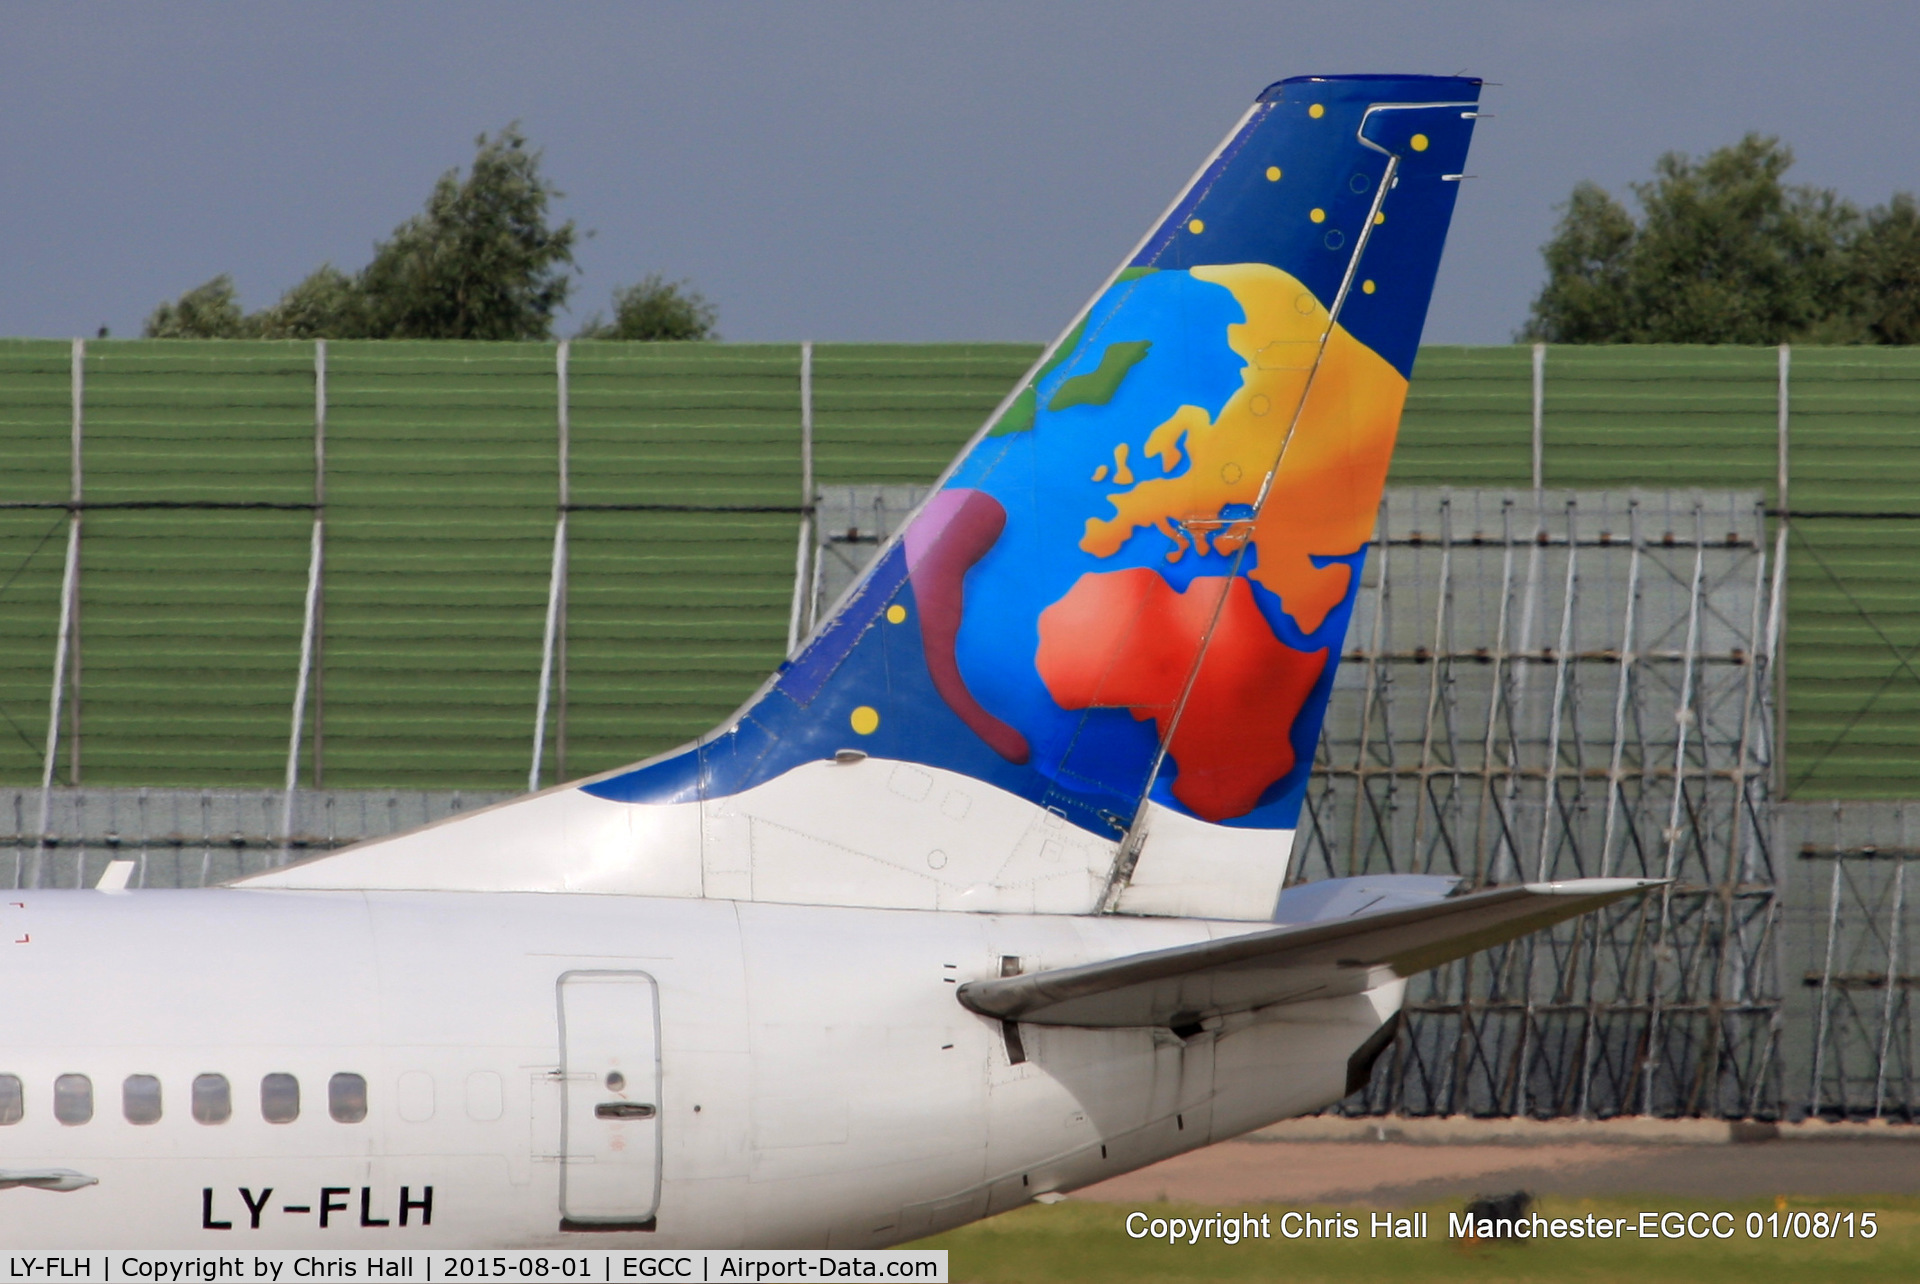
[1096,387]
[1020,415]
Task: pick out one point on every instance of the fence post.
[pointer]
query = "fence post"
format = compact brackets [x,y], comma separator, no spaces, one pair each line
[319,625]
[68,584]
[78,472]
[801,618]
[300,683]
[310,618]
[1539,416]
[564,374]
[556,592]
[66,661]
[1778,626]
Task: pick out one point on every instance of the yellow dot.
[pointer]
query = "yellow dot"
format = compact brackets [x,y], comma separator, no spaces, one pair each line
[1316,111]
[1366,287]
[1273,173]
[1196,227]
[897,613]
[1379,218]
[1419,142]
[1318,216]
[865,720]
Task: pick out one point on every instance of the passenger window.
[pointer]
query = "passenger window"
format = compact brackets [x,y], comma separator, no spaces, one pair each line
[13,1102]
[347,1098]
[279,1098]
[73,1099]
[212,1099]
[483,1096]
[413,1096]
[140,1099]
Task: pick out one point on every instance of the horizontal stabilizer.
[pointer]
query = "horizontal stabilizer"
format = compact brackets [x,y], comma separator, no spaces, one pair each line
[1189,983]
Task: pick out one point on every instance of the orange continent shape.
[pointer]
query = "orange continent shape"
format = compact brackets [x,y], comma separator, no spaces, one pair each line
[1127,640]
[1326,489]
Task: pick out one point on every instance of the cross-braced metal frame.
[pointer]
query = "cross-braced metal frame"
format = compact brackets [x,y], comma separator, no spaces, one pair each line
[1552,685]
[1856,893]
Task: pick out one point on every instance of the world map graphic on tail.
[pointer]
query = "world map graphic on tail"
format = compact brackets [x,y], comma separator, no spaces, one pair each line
[1234,737]
[1136,582]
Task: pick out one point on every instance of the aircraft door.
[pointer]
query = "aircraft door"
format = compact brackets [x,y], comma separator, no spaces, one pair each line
[610,1116]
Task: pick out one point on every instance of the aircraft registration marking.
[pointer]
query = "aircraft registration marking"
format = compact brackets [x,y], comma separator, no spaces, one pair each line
[218,1214]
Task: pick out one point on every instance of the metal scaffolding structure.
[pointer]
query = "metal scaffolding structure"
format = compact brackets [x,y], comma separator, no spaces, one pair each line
[851,524]
[1851,979]
[1550,685]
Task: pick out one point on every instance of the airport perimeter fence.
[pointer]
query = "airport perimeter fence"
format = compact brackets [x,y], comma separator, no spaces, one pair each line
[207,542]
[180,496]
[261,600]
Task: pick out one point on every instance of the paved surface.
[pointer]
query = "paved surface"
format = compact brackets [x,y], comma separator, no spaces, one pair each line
[1394,1174]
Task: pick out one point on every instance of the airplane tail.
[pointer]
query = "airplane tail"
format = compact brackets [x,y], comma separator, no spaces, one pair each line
[1090,673]
[1125,601]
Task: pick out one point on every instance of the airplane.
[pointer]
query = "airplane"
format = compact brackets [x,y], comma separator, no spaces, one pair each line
[977,901]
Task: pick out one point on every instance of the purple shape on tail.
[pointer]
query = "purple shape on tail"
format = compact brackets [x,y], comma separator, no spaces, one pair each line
[952,532]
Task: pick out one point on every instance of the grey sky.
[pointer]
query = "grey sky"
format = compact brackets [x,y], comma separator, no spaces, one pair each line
[884,171]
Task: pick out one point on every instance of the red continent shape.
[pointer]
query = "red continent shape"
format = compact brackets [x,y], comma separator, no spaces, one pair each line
[1127,639]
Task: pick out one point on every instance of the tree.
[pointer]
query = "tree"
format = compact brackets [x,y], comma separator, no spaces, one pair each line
[329,304]
[656,309]
[1725,251]
[479,262]
[1887,273]
[210,311]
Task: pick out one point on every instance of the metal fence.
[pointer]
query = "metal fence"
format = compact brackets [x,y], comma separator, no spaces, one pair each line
[166,506]
[1550,685]
[1851,920]
[422,565]
[1827,435]
[200,837]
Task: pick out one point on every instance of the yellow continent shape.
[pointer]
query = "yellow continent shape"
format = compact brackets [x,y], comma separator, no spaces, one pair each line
[1326,488]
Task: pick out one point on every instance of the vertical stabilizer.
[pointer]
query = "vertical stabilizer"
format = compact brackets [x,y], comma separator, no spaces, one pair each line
[1118,617]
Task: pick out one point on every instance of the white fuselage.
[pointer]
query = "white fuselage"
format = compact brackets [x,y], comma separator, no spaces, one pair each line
[811,1077]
